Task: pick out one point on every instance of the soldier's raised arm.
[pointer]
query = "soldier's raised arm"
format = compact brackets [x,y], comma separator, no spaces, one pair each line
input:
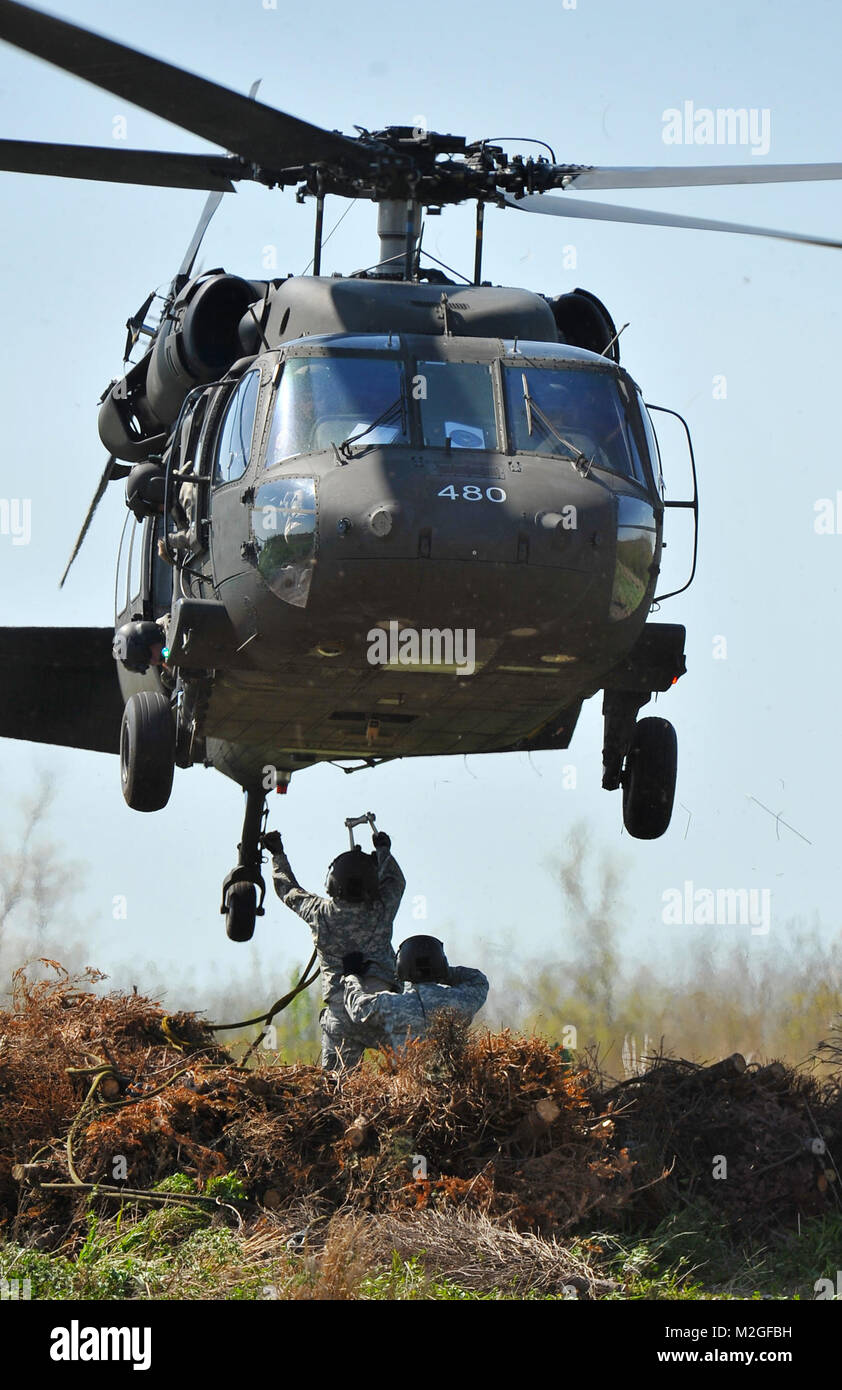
[389,873]
[287,887]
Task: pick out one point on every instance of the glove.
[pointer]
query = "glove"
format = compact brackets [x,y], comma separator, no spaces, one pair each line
[381,840]
[354,963]
[273,842]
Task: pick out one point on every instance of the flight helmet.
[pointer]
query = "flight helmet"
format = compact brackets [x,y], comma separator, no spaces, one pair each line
[353,877]
[421,960]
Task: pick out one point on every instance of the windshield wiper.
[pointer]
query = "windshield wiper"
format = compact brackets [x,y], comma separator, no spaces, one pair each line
[396,411]
[580,461]
[527,401]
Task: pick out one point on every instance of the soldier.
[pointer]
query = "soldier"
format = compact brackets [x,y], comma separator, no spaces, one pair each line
[429,985]
[364,892]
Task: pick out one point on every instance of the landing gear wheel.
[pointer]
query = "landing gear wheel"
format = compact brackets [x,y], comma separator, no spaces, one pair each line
[649,779]
[241,911]
[147,751]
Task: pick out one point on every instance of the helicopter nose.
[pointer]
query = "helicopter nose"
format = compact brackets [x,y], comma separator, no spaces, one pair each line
[395,537]
[487,512]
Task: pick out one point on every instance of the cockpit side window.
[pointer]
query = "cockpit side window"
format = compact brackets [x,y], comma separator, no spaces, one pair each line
[457,405]
[134,593]
[162,573]
[572,413]
[235,437]
[651,442]
[323,401]
[635,434]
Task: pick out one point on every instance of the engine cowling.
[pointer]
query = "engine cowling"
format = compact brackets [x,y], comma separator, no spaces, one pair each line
[197,342]
[583,321]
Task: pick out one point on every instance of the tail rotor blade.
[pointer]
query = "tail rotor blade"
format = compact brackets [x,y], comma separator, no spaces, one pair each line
[135,325]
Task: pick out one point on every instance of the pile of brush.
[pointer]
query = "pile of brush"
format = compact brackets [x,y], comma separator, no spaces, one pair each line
[757,1141]
[104,1097]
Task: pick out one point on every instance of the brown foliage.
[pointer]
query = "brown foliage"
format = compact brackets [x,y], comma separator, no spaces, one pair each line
[486,1126]
[778,1130]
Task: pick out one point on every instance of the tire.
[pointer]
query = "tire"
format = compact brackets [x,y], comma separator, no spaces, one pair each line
[241,902]
[649,779]
[147,751]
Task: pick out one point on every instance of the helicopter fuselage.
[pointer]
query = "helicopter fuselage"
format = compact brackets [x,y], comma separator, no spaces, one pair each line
[371,516]
[404,543]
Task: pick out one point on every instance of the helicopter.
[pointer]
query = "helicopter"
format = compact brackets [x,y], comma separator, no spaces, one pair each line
[369,516]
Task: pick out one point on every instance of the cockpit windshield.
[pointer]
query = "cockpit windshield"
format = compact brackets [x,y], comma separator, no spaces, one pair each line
[327,400]
[457,405]
[576,413]
[357,400]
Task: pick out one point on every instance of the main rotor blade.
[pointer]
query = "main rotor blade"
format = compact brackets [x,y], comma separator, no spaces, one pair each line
[704,175]
[256,132]
[113,165]
[212,203]
[608,212]
[112,469]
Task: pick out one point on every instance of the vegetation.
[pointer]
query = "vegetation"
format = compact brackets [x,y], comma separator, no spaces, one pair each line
[180,1254]
[279,1200]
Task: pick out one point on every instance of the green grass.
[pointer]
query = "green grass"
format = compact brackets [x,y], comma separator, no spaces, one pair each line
[694,1256]
[187,1252]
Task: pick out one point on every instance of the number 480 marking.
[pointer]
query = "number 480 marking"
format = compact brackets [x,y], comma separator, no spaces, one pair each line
[472,493]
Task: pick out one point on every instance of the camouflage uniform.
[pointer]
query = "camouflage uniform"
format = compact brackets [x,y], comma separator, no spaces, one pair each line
[399,1017]
[339,928]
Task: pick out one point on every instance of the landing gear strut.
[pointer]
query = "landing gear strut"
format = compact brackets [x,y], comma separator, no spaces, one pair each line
[641,755]
[240,902]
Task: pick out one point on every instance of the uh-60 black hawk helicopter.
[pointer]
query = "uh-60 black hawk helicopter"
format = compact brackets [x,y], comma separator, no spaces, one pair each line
[324,472]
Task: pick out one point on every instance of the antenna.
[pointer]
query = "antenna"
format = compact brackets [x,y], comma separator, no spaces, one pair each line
[608,346]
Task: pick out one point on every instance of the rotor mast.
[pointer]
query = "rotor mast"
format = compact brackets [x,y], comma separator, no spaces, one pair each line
[398,226]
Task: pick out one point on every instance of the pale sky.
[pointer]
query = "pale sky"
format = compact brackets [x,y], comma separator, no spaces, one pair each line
[756,713]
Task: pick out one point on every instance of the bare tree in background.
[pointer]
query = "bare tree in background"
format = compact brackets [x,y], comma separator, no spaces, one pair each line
[591,921]
[37,885]
[580,988]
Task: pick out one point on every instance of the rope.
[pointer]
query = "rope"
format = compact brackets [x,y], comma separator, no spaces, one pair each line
[305,980]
